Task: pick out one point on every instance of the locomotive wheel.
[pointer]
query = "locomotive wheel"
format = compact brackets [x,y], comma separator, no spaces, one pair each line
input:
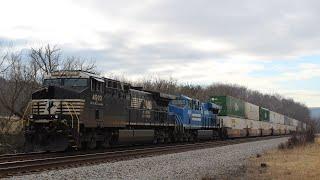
[167,140]
[92,143]
[191,138]
[155,141]
[161,139]
[105,143]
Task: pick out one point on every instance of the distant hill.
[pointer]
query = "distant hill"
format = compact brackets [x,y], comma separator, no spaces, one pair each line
[315,112]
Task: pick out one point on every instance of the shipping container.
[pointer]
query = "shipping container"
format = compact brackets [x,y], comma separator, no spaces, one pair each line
[283,129]
[233,122]
[281,120]
[251,111]
[276,129]
[254,128]
[286,120]
[266,128]
[276,118]
[300,128]
[264,114]
[236,127]
[230,106]
[295,122]
[292,122]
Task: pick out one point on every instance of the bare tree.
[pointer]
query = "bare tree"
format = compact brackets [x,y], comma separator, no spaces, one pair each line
[18,85]
[76,63]
[4,64]
[274,102]
[46,58]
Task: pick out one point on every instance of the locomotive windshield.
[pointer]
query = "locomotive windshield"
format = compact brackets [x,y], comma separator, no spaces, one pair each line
[179,103]
[68,82]
[76,82]
[52,82]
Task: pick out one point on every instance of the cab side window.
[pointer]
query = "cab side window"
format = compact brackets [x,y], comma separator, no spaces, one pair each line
[96,86]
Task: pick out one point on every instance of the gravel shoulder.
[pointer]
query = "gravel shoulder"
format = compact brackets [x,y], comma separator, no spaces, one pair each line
[211,163]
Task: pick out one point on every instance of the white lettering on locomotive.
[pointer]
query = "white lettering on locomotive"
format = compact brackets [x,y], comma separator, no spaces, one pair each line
[96,97]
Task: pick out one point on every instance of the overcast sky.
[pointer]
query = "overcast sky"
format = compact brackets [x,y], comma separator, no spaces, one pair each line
[272,45]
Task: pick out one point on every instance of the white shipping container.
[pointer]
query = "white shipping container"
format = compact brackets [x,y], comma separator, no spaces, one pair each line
[295,123]
[276,118]
[234,123]
[276,127]
[266,125]
[251,111]
[281,119]
[273,117]
[256,124]
[292,122]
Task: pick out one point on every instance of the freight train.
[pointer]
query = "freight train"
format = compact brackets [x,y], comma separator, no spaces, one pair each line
[82,110]
[244,119]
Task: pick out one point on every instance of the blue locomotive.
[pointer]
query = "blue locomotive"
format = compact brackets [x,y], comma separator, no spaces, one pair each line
[196,119]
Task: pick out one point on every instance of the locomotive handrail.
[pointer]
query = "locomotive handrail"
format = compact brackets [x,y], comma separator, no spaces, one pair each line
[177,119]
[70,114]
[130,108]
[78,125]
[24,113]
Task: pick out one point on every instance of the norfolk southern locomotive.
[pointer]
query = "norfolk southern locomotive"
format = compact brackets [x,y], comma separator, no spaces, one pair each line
[78,109]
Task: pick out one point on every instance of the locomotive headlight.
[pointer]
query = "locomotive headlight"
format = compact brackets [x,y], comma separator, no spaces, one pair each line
[56,116]
[31,116]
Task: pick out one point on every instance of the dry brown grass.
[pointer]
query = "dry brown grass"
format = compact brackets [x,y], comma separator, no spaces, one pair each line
[11,135]
[10,126]
[302,162]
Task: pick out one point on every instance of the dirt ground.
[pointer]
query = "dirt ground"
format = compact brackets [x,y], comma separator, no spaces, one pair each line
[301,162]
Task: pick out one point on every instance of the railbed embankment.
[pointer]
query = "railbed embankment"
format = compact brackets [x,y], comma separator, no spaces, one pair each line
[211,162]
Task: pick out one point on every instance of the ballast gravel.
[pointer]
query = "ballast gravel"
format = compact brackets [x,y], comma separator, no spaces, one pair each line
[212,162]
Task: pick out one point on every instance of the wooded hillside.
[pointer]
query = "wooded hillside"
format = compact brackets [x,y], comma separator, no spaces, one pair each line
[21,75]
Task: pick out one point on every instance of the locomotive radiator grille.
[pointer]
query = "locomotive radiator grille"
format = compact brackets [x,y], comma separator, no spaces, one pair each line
[58,106]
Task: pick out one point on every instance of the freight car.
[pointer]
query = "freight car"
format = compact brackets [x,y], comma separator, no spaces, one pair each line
[78,109]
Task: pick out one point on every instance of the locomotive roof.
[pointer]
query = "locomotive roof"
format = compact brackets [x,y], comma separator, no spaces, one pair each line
[155,93]
[73,73]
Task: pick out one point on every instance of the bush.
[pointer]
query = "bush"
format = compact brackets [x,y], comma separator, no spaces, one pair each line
[298,139]
[13,143]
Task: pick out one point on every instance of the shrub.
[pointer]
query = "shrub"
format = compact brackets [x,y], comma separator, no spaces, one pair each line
[298,139]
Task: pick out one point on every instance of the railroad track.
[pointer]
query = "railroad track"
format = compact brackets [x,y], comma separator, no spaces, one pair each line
[37,162]
[25,156]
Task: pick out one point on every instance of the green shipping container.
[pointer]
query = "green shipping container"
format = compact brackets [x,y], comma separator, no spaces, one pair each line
[230,106]
[264,114]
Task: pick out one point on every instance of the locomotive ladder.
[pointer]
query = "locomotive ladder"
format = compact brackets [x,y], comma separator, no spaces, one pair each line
[179,123]
[26,121]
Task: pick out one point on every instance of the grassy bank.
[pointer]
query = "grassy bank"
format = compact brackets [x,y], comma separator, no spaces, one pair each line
[301,162]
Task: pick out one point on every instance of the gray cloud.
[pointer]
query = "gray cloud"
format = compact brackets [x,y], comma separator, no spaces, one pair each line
[264,28]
